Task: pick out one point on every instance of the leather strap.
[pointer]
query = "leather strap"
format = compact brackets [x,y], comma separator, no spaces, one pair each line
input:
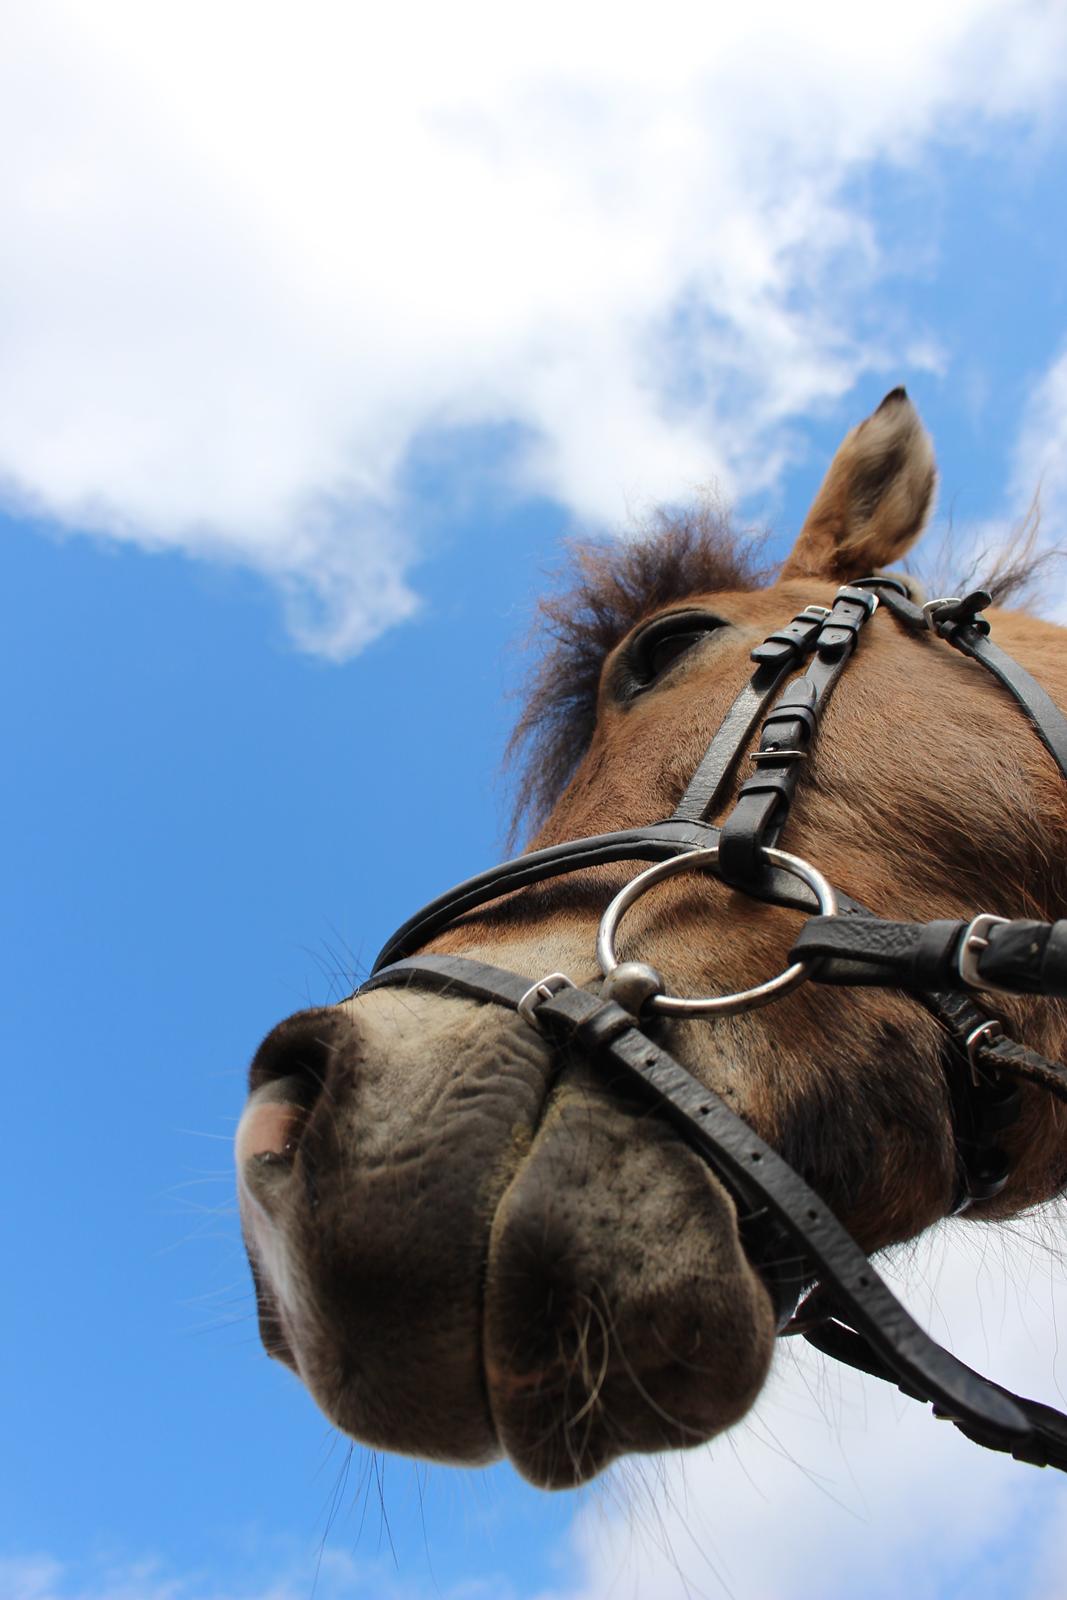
[1048,720]
[959,623]
[684,830]
[763,801]
[708,784]
[655,843]
[1020,957]
[775,657]
[1047,1444]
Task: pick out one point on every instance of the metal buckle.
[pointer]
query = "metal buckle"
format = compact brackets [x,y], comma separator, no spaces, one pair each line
[985,1030]
[883,580]
[975,940]
[543,989]
[867,598]
[932,606]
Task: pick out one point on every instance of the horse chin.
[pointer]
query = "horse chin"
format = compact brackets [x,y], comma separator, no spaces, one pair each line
[621,1314]
[528,1263]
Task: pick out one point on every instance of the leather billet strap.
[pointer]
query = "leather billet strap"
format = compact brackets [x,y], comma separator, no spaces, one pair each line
[1020,956]
[779,654]
[751,1168]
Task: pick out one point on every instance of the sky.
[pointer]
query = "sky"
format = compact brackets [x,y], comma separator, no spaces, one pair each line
[320,333]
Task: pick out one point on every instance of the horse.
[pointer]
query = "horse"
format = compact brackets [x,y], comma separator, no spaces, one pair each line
[468,1235]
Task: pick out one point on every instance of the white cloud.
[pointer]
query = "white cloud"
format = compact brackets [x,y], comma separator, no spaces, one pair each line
[327,1574]
[261,252]
[840,1486]
[1041,457]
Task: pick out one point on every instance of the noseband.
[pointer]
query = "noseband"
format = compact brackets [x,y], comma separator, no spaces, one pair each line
[789,1234]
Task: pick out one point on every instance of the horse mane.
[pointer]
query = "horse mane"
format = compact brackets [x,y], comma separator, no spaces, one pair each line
[602,590]
[604,587]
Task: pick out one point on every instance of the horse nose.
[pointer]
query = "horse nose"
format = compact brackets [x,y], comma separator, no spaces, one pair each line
[287,1078]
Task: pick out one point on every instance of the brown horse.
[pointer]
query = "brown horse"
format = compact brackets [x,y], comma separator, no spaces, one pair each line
[466,1244]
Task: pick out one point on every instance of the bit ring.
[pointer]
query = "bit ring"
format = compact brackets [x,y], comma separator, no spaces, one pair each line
[762,994]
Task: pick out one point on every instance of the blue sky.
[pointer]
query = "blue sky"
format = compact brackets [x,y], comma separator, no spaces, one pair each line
[267,559]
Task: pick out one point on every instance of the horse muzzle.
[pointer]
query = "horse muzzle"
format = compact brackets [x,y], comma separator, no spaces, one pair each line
[465,1243]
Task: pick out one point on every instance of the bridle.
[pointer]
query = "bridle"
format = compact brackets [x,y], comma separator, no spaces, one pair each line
[789,1234]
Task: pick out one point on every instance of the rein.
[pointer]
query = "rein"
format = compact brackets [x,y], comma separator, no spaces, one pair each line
[790,1236]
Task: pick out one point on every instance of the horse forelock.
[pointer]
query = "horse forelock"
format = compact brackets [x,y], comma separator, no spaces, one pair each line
[602,591]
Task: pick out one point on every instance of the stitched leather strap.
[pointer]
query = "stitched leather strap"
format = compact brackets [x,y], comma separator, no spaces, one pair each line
[1021,956]
[654,843]
[709,782]
[779,654]
[1047,1444]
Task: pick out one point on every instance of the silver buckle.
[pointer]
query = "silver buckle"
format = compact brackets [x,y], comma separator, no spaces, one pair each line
[975,940]
[931,607]
[543,989]
[989,1031]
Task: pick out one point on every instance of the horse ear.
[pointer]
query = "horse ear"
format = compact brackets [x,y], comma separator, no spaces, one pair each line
[873,501]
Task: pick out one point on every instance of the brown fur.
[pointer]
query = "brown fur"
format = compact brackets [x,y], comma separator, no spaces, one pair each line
[480,1247]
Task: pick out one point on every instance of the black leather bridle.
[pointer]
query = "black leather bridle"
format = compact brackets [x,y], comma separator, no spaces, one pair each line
[788,1232]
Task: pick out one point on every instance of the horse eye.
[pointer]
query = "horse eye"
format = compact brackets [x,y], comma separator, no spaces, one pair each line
[663,643]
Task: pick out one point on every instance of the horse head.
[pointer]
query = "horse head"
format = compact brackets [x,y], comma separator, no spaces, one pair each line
[469,1238]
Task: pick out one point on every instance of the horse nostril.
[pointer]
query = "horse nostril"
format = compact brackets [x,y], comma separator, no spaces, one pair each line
[286,1079]
[299,1052]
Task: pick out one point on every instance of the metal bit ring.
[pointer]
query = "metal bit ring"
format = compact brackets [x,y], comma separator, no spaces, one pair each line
[722,1004]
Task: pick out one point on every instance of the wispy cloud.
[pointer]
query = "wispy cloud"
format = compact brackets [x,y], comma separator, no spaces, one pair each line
[840,1486]
[1041,458]
[257,256]
[327,1575]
